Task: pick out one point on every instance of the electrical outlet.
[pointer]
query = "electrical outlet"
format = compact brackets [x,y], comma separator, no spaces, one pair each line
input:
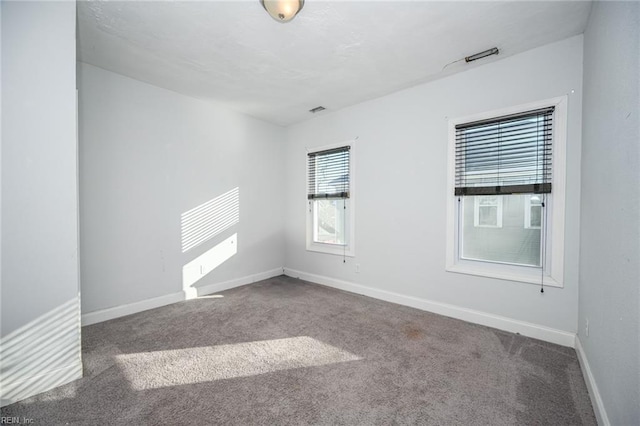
[357,268]
[586,327]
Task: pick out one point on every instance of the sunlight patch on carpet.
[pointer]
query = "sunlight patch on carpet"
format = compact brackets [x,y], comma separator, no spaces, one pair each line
[151,370]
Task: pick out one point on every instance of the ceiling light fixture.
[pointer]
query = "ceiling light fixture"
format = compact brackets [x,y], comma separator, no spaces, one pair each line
[492,51]
[282,10]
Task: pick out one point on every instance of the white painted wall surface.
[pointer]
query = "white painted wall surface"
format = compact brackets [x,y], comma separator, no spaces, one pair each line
[610,213]
[148,155]
[402,149]
[40,345]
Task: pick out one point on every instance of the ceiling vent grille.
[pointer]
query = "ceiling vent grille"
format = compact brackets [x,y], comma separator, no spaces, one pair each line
[317,109]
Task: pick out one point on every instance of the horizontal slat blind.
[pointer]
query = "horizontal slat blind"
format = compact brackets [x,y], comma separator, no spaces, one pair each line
[328,173]
[505,155]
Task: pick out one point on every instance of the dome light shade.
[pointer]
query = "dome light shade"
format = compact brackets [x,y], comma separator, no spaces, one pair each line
[282,10]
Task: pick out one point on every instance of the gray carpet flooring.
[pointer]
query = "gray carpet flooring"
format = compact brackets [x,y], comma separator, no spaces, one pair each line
[284,351]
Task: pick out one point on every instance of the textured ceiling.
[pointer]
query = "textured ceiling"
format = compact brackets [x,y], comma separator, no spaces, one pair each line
[334,54]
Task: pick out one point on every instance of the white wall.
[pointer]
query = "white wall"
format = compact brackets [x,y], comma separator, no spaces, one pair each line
[610,219]
[147,155]
[402,149]
[40,346]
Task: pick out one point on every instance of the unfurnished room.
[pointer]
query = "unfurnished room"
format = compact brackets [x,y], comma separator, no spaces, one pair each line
[308,212]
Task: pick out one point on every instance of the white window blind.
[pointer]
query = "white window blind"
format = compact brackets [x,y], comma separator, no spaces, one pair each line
[328,173]
[505,155]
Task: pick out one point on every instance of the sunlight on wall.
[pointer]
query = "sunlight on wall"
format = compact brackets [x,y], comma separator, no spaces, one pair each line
[42,354]
[193,271]
[151,370]
[209,219]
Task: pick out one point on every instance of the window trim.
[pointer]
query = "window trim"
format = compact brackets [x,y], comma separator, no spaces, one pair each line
[327,248]
[554,240]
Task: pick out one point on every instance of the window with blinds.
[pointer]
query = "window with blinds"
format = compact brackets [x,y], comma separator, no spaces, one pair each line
[330,219]
[505,155]
[328,174]
[507,186]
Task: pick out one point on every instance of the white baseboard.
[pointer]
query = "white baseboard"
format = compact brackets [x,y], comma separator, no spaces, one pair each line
[156,302]
[502,323]
[594,393]
[39,383]
[214,288]
[131,308]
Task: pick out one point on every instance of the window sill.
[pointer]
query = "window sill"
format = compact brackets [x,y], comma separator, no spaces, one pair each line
[508,275]
[330,249]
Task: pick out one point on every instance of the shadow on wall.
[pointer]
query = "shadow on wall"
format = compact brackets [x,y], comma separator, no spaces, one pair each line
[203,223]
[42,354]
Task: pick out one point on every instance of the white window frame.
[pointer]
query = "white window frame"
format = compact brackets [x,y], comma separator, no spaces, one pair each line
[476,211]
[527,213]
[336,249]
[553,241]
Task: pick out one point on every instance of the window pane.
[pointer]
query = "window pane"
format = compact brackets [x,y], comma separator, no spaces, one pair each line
[533,211]
[488,210]
[536,216]
[488,215]
[329,220]
[511,243]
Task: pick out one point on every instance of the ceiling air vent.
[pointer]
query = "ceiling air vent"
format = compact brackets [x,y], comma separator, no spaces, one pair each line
[317,109]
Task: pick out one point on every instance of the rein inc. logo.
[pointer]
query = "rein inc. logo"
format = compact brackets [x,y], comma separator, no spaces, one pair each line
[15,421]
